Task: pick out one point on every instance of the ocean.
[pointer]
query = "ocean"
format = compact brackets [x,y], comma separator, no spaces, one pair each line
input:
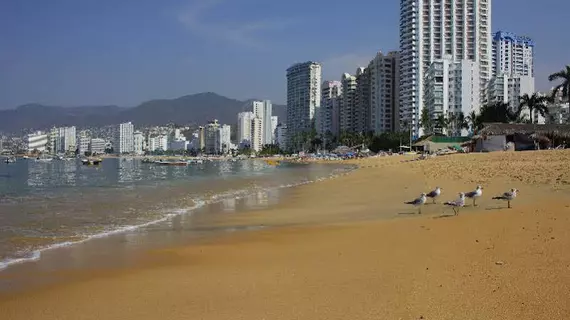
[50,205]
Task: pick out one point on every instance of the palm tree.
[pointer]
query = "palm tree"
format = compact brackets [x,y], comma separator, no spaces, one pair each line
[473,121]
[563,75]
[426,122]
[442,122]
[534,102]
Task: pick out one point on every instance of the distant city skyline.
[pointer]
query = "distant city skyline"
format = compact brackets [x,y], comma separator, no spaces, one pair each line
[124,53]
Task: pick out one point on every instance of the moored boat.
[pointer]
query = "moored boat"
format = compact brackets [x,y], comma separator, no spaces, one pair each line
[171,163]
[91,162]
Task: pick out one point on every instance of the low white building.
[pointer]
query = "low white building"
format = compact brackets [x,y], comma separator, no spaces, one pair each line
[36,141]
[158,143]
[452,88]
[509,89]
[97,146]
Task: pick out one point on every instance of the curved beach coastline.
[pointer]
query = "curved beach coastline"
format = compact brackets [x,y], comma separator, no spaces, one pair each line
[337,253]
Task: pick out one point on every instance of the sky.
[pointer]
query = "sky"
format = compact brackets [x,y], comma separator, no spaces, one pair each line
[124,52]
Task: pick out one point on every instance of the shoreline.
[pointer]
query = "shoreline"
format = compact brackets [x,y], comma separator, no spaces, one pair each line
[35,258]
[339,253]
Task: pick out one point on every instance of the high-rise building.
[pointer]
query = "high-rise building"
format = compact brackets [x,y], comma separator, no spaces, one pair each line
[263,110]
[224,141]
[158,143]
[384,89]
[281,135]
[256,134]
[212,137]
[361,117]
[303,100]
[513,55]
[452,88]
[62,140]
[331,98]
[509,89]
[348,104]
[123,141]
[432,29]
[244,129]
[138,143]
[83,139]
[274,123]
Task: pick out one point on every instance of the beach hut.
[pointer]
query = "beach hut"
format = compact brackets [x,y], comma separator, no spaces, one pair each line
[523,136]
[435,143]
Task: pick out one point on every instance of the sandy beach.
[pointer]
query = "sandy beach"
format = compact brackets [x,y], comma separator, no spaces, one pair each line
[349,248]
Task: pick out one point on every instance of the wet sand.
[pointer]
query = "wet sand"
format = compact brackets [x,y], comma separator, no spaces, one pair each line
[336,253]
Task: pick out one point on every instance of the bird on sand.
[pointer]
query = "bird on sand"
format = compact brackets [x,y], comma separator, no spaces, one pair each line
[418,202]
[508,196]
[434,193]
[456,204]
[477,193]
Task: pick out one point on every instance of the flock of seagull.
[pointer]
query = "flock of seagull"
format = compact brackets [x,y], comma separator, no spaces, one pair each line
[460,202]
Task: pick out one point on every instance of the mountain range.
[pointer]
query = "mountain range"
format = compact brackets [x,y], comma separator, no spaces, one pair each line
[190,109]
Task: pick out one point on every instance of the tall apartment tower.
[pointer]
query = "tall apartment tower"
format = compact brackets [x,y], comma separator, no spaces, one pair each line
[348,103]
[123,141]
[513,55]
[331,96]
[303,99]
[431,30]
[384,80]
[264,110]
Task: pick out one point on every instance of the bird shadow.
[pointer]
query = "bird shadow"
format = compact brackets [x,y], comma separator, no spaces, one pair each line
[408,213]
[495,208]
[444,216]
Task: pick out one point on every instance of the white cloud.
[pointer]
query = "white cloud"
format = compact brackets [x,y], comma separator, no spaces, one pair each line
[335,66]
[193,18]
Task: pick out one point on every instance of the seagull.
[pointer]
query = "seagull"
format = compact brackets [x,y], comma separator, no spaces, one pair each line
[475,194]
[434,193]
[508,196]
[419,202]
[456,204]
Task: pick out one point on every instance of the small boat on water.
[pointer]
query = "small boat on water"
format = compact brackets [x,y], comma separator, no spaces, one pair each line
[10,160]
[91,162]
[44,159]
[196,161]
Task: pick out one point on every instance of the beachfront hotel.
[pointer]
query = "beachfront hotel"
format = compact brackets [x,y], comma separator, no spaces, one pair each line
[513,55]
[384,77]
[331,95]
[303,99]
[431,30]
[123,140]
[451,88]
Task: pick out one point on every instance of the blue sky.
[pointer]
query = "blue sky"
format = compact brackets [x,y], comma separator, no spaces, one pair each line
[123,52]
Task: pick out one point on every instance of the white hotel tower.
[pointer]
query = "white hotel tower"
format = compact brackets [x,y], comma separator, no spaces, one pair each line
[303,99]
[431,30]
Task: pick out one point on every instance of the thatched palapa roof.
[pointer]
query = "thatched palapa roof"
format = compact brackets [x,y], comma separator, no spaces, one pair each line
[536,130]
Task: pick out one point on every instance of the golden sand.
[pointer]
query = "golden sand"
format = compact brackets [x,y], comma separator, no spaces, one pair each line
[340,258]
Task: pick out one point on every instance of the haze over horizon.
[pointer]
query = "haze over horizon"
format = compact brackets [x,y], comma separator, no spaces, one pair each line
[66,52]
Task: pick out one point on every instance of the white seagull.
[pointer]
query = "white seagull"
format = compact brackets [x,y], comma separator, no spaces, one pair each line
[456,204]
[508,196]
[478,192]
[434,193]
[419,202]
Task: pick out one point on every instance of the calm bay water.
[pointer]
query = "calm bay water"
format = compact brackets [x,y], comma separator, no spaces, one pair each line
[46,205]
